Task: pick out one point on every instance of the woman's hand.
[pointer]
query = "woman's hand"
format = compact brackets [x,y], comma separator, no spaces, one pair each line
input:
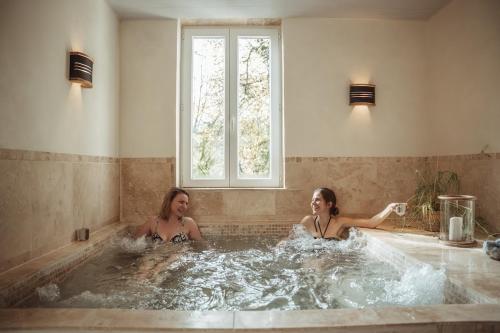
[392,206]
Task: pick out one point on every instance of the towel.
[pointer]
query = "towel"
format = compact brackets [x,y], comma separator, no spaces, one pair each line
[492,249]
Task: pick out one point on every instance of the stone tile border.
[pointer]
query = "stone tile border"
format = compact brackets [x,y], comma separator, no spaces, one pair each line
[147,160]
[27,155]
[300,159]
[268,229]
[455,318]
[431,158]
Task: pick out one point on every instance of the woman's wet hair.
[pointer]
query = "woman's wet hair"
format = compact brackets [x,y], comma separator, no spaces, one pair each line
[167,201]
[329,196]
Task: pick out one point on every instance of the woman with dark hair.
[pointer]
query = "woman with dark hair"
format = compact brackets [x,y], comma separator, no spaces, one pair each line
[325,222]
[171,225]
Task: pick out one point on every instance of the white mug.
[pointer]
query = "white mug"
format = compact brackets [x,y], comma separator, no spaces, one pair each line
[400,209]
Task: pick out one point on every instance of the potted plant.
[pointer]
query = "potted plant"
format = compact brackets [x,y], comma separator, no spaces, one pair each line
[423,206]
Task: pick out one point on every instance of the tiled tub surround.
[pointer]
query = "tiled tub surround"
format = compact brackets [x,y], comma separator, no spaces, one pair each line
[20,282]
[472,276]
[364,185]
[479,176]
[143,183]
[464,318]
[45,197]
[469,271]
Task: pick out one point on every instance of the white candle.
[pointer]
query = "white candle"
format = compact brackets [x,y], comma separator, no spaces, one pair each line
[456,228]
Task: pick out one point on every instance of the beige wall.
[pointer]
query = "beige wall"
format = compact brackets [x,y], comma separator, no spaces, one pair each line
[40,109]
[463,43]
[424,78]
[59,144]
[464,68]
[321,58]
[148,88]
[316,80]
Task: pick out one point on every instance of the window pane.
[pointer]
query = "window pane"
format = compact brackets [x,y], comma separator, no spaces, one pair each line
[207,105]
[254,109]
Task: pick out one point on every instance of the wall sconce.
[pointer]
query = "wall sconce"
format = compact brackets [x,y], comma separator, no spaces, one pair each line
[362,94]
[80,69]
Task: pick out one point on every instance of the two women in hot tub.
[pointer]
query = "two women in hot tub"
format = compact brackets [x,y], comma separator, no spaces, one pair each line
[325,222]
[171,225]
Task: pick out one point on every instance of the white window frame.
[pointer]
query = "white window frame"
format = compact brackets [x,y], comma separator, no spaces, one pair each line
[231,80]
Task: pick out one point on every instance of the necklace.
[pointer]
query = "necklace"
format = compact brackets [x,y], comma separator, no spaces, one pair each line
[316,221]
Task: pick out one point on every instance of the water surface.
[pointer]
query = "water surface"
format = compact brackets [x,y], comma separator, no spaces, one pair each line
[236,274]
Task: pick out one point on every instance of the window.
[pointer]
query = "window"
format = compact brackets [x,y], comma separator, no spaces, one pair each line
[230,108]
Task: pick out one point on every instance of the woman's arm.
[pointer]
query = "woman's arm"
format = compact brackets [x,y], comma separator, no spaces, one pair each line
[143,229]
[194,231]
[368,223]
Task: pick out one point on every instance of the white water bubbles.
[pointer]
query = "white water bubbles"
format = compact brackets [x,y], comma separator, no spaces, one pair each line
[48,293]
[419,285]
[131,245]
[244,273]
[301,240]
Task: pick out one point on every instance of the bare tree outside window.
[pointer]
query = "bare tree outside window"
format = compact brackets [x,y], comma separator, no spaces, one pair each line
[207,105]
[253,107]
[230,107]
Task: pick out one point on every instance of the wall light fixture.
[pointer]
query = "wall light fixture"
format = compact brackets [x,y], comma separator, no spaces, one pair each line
[362,94]
[80,69]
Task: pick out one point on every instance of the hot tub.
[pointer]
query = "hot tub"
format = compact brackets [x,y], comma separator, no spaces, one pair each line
[20,283]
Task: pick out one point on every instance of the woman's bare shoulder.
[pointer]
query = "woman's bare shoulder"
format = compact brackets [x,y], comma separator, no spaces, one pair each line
[307,219]
[188,220]
[152,220]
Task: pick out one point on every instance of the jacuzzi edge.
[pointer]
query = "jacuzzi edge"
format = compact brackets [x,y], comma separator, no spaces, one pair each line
[467,317]
[456,289]
[336,320]
[21,281]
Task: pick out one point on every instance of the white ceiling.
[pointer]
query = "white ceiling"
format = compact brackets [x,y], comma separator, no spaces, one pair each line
[273,9]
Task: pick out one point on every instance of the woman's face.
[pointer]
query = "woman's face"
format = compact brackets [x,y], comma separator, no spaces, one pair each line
[319,205]
[179,205]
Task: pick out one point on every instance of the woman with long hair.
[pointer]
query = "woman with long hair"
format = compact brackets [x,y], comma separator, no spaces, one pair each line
[170,225]
[325,221]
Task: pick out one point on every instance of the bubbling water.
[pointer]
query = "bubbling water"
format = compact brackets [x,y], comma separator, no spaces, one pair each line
[245,274]
[131,245]
[48,293]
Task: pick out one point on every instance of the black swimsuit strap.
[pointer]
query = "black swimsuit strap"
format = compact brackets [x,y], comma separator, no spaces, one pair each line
[322,234]
[156,225]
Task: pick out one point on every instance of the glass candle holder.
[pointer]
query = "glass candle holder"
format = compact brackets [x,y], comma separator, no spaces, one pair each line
[457,220]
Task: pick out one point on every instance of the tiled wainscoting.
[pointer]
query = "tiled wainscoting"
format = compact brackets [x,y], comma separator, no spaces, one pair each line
[364,185]
[45,197]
